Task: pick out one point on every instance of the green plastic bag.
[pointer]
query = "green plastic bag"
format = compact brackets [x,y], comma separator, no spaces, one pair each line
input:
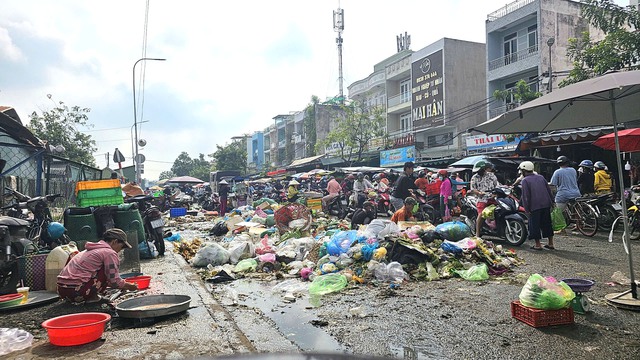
[246,265]
[546,293]
[475,273]
[328,283]
[557,219]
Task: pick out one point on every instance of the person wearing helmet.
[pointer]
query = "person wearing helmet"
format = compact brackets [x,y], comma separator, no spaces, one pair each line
[565,179]
[403,186]
[586,177]
[482,182]
[88,274]
[421,182]
[537,201]
[292,191]
[347,184]
[360,187]
[601,179]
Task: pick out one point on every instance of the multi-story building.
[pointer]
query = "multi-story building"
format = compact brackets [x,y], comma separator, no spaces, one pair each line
[430,97]
[282,133]
[255,153]
[525,40]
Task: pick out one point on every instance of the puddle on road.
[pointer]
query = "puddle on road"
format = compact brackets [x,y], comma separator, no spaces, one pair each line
[415,353]
[292,319]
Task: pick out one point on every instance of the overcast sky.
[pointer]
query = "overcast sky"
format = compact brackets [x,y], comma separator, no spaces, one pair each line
[231,65]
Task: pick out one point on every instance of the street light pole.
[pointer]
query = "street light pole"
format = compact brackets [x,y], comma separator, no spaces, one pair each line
[550,43]
[133,154]
[135,117]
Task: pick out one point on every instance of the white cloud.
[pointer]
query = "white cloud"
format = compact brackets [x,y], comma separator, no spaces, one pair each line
[231,65]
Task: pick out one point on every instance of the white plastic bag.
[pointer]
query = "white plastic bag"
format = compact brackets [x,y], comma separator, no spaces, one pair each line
[14,340]
[389,229]
[375,227]
[211,253]
[392,272]
[241,250]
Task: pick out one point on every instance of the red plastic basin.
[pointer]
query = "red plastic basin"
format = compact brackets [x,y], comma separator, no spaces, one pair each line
[142,281]
[76,329]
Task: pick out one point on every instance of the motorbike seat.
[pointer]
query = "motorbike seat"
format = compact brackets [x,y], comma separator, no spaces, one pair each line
[11,221]
[138,198]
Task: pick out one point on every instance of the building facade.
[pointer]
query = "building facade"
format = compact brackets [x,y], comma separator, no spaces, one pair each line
[255,153]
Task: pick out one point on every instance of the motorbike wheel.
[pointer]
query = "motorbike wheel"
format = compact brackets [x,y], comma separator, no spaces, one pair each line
[471,215]
[518,234]
[634,224]
[607,216]
[9,278]
[156,237]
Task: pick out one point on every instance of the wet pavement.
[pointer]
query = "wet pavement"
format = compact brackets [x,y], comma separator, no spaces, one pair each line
[420,320]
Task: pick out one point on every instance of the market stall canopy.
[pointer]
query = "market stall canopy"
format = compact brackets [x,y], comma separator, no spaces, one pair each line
[162,181]
[185,180]
[363,169]
[565,137]
[628,139]
[305,161]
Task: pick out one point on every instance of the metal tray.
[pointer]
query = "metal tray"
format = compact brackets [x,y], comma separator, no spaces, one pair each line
[153,306]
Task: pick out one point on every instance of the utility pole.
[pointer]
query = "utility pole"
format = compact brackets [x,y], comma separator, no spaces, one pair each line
[338,26]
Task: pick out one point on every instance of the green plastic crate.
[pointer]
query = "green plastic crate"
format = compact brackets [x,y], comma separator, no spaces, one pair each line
[99,193]
[107,200]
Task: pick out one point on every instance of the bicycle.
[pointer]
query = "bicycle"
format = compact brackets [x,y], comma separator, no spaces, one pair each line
[581,213]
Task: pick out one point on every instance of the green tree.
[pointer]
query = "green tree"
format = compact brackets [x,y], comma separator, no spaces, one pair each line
[231,157]
[58,127]
[182,165]
[620,48]
[310,125]
[521,93]
[201,168]
[166,175]
[354,130]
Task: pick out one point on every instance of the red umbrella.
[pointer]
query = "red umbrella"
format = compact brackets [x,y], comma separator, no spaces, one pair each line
[629,140]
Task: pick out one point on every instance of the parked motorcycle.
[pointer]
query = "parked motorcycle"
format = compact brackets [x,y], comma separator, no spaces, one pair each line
[43,231]
[509,222]
[383,204]
[607,209]
[337,206]
[151,219]
[14,243]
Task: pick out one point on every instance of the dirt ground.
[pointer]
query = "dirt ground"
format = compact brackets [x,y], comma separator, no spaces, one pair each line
[447,319]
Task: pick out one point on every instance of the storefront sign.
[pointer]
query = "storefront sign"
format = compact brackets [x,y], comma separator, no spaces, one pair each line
[277,172]
[397,157]
[477,142]
[427,90]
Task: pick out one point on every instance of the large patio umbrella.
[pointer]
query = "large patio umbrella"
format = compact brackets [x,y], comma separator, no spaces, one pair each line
[628,139]
[610,99]
[185,180]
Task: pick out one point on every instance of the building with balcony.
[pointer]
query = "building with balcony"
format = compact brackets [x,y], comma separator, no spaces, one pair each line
[269,147]
[282,148]
[525,39]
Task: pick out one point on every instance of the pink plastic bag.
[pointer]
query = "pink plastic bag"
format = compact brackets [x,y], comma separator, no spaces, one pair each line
[269,257]
[264,246]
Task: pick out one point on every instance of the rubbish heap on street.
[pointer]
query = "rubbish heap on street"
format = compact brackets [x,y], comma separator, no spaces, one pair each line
[292,241]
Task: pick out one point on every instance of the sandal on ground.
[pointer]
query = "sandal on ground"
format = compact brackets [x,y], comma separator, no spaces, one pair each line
[549,247]
[533,247]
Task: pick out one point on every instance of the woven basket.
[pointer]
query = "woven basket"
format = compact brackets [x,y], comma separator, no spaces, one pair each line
[290,212]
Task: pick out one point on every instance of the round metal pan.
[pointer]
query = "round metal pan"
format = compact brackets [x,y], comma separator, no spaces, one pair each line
[153,306]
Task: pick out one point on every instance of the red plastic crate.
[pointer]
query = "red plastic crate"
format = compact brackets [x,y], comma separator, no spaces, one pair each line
[540,318]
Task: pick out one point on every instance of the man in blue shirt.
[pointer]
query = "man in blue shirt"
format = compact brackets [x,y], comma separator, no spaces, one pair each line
[565,179]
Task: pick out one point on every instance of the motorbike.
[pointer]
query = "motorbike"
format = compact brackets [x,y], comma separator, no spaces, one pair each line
[383,203]
[606,208]
[43,231]
[509,221]
[14,243]
[337,206]
[151,219]
[426,211]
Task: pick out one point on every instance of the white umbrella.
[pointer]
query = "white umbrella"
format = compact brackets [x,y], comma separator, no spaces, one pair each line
[610,99]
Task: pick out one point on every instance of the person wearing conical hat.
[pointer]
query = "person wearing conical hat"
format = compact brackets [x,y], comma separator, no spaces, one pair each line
[292,191]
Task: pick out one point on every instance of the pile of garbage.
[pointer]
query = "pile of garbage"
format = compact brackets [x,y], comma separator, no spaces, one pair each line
[324,251]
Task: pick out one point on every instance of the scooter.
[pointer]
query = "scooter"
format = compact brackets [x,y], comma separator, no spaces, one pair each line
[14,243]
[151,219]
[509,222]
[337,206]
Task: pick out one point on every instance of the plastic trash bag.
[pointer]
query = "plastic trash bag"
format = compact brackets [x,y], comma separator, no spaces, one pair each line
[391,228]
[292,286]
[211,253]
[325,284]
[546,293]
[246,265]
[432,273]
[241,250]
[453,230]
[475,273]
[341,242]
[264,246]
[375,227]
[14,340]
[488,212]
[147,250]
[451,247]
[267,258]
[557,219]
[392,272]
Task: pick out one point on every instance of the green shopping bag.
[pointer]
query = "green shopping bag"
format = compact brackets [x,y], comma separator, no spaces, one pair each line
[557,219]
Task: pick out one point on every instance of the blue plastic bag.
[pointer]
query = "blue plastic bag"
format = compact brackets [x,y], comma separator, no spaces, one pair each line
[453,230]
[450,247]
[341,242]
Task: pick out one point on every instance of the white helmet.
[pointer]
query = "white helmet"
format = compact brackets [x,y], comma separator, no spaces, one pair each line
[526,166]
